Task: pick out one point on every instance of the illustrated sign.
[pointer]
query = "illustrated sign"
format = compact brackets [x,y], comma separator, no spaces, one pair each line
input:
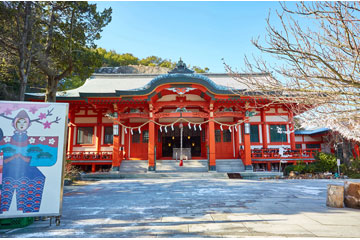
[32,144]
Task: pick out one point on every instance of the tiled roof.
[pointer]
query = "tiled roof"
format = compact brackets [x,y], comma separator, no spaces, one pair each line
[110,83]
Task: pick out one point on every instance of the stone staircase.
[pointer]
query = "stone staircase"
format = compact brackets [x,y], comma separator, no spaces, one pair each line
[168,166]
[229,165]
[134,166]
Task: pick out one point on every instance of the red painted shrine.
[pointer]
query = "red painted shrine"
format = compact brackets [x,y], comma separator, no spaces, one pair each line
[115,117]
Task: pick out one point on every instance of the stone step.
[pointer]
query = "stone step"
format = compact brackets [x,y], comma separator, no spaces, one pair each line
[229,165]
[134,166]
[183,175]
[188,166]
[154,175]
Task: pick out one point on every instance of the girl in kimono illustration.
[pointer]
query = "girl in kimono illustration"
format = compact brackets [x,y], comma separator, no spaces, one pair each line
[22,154]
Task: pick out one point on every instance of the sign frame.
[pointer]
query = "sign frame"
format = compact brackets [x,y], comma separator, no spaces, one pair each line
[59,165]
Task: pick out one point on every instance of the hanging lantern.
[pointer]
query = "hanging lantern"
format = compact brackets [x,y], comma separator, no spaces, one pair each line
[247,128]
[115,130]
[139,130]
[200,127]
[189,126]
[221,128]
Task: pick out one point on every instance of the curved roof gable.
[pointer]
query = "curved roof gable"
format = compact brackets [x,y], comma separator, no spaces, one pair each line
[114,85]
[178,78]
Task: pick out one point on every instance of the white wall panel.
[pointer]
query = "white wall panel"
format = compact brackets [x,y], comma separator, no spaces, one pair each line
[312,139]
[85,120]
[276,118]
[255,119]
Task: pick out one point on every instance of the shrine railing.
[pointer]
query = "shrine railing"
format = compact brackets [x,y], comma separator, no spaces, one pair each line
[275,153]
[89,156]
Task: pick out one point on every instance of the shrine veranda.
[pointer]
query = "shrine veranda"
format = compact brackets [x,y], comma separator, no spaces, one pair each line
[115,117]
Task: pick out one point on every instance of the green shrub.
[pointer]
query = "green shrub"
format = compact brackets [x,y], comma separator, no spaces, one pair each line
[288,169]
[310,168]
[352,170]
[71,172]
[300,167]
[354,175]
[325,162]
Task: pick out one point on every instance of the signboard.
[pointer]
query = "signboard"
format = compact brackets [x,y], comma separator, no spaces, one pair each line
[32,145]
[338,162]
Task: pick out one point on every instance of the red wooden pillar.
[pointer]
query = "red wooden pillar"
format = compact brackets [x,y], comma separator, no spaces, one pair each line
[269,166]
[212,158]
[98,131]
[71,130]
[263,129]
[151,145]
[292,131]
[356,149]
[116,148]
[247,148]
[122,144]
[236,134]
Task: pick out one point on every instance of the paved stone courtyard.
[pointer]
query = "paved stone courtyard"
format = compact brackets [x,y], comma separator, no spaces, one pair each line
[198,208]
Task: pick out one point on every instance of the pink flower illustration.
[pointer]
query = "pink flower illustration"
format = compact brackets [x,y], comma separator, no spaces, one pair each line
[42,116]
[46,124]
[33,110]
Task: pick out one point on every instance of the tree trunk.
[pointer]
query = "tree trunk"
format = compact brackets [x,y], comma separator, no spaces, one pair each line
[346,147]
[51,88]
[25,35]
[23,83]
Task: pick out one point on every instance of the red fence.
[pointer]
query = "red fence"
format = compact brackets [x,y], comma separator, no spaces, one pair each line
[275,153]
[89,157]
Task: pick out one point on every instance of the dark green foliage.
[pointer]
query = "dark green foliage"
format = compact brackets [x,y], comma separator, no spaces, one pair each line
[288,169]
[114,59]
[60,36]
[325,162]
[300,167]
[352,170]
[310,168]
[87,61]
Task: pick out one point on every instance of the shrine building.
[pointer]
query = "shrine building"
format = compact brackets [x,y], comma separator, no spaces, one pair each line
[147,117]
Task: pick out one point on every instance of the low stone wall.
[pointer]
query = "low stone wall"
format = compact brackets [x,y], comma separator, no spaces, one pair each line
[335,196]
[352,195]
[348,195]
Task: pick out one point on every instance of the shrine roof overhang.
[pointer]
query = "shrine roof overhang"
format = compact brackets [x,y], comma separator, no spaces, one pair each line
[312,132]
[128,85]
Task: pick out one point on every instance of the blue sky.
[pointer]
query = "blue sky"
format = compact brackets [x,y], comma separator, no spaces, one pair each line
[201,33]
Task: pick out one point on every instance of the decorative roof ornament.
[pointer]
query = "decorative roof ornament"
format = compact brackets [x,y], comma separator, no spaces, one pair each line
[181,91]
[181,68]
[181,110]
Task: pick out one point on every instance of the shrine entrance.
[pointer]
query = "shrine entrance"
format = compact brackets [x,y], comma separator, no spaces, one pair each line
[171,140]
